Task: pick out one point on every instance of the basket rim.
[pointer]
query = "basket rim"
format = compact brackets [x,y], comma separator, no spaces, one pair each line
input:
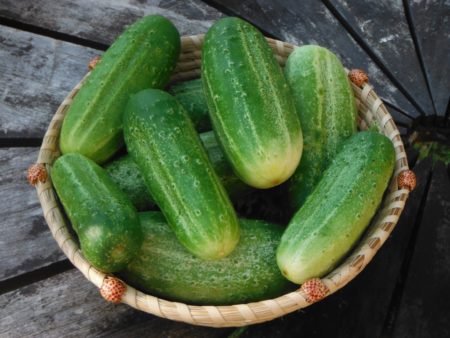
[371,111]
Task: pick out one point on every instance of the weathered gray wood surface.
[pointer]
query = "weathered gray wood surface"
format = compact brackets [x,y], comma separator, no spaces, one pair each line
[67,305]
[390,42]
[37,72]
[431,23]
[312,23]
[101,21]
[424,310]
[26,243]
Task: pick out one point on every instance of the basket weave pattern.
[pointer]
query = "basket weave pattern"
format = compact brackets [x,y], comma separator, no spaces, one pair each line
[371,111]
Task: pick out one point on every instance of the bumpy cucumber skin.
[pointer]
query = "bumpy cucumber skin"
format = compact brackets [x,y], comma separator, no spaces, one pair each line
[192,97]
[165,268]
[325,104]
[337,212]
[104,219]
[144,56]
[126,174]
[250,104]
[163,142]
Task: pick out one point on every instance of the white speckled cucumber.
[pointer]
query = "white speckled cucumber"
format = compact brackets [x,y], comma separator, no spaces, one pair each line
[165,268]
[125,173]
[103,217]
[250,104]
[339,209]
[164,144]
[325,104]
[192,97]
[144,56]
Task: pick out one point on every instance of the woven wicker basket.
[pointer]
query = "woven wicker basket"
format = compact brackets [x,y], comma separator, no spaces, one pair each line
[371,111]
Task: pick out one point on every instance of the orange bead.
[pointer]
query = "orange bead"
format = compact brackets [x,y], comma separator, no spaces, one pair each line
[314,289]
[406,180]
[36,173]
[358,77]
[94,62]
[112,289]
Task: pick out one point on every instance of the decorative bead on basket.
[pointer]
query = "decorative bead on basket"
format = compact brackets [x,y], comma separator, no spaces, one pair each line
[371,112]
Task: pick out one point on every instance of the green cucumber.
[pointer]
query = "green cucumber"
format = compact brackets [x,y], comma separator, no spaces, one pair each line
[125,173]
[339,209]
[144,56]
[104,219]
[325,103]
[164,144]
[250,104]
[166,269]
[191,96]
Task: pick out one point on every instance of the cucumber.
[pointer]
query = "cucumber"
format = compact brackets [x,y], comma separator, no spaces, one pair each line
[125,173]
[164,144]
[339,209]
[143,56]
[326,107]
[250,104]
[191,96]
[166,269]
[102,216]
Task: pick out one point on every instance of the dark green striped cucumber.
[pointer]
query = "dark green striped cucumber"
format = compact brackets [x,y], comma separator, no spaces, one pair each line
[163,142]
[103,217]
[250,104]
[191,96]
[144,56]
[326,107]
[125,173]
[339,209]
[166,269]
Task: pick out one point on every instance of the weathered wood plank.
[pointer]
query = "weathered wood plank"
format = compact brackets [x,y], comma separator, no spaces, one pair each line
[37,73]
[103,20]
[67,305]
[431,24]
[384,28]
[310,22]
[424,310]
[360,308]
[26,243]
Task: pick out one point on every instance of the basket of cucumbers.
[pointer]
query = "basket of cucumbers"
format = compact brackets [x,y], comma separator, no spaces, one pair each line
[150,166]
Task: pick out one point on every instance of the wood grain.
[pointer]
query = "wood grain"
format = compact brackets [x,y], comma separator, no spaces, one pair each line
[26,243]
[102,21]
[431,23]
[67,305]
[37,73]
[424,310]
[391,42]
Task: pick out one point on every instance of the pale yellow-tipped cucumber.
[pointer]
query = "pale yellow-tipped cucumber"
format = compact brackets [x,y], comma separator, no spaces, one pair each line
[250,104]
[339,209]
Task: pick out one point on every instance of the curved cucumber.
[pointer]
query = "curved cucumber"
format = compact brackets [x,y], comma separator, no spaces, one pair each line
[326,107]
[165,268]
[163,142]
[144,56]
[191,96]
[104,219]
[339,209]
[125,173]
[250,104]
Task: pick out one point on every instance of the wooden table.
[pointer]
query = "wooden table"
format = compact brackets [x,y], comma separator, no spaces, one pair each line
[45,47]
